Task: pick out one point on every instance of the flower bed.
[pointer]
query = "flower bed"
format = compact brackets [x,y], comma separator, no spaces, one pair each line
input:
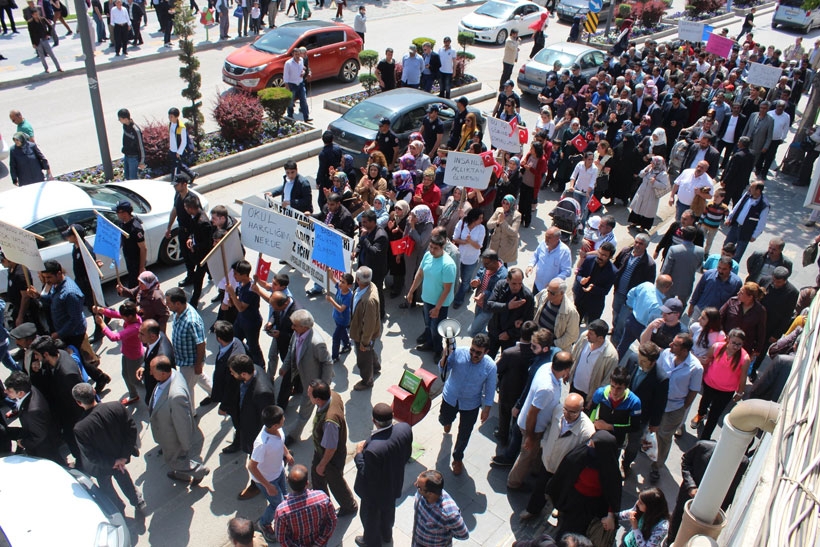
[211,147]
[601,38]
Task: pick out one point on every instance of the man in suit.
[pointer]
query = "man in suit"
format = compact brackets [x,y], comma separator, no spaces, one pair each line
[226,388]
[731,128]
[365,327]
[683,261]
[295,190]
[593,361]
[308,358]
[254,394]
[373,251]
[200,242]
[736,175]
[62,374]
[172,422]
[759,129]
[280,328]
[634,266]
[512,369]
[511,304]
[38,432]
[156,343]
[107,437]
[380,462]
[700,150]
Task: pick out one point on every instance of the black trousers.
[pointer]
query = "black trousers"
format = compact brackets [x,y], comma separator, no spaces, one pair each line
[377,519]
[120,38]
[713,402]
[538,498]
[125,483]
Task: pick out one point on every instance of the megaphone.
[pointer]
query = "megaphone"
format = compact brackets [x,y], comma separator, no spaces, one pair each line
[448,329]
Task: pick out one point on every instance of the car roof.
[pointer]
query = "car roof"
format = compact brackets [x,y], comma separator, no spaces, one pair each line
[569,47]
[42,502]
[405,96]
[27,204]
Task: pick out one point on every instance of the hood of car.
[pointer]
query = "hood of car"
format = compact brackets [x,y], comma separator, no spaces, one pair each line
[480,21]
[249,57]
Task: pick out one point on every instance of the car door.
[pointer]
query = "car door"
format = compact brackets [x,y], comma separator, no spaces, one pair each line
[323,51]
[408,122]
[591,62]
[529,15]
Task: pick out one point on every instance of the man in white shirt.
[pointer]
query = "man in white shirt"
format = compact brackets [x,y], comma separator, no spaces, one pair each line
[120,22]
[782,122]
[688,183]
[582,182]
[551,259]
[730,131]
[447,56]
[594,359]
[294,77]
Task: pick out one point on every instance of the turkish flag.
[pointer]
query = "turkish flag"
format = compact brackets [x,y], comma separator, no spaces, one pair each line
[523,135]
[580,143]
[262,268]
[487,158]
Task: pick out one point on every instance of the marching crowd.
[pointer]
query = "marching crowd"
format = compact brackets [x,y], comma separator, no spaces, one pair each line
[665,121]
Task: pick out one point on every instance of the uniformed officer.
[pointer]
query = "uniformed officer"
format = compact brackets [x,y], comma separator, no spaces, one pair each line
[133,247]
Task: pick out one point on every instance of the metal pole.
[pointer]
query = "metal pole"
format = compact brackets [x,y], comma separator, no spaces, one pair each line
[93,87]
[608,19]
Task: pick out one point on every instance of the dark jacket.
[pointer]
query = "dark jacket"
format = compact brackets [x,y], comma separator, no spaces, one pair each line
[512,369]
[26,164]
[38,430]
[672,236]
[645,270]
[331,154]
[738,170]
[741,123]
[601,278]
[259,395]
[499,275]
[374,251]
[504,318]
[281,322]
[225,386]
[162,347]
[60,379]
[39,30]
[652,391]
[380,466]
[132,143]
[694,464]
[342,221]
[300,197]
[779,304]
[755,263]
[435,64]
[105,434]
[712,156]
[203,235]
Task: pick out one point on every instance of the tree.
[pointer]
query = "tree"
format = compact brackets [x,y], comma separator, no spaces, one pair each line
[795,155]
[275,101]
[184,23]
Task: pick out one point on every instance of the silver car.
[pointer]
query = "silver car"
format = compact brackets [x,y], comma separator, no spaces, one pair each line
[532,77]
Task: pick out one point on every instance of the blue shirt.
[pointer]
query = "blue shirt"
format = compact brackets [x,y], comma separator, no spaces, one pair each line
[712,261]
[712,291]
[683,378]
[342,317]
[411,68]
[551,264]
[468,383]
[187,332]
[645,301]
[66,302]
[437,271]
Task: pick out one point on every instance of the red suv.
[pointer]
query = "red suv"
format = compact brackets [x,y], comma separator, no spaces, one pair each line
[332,50]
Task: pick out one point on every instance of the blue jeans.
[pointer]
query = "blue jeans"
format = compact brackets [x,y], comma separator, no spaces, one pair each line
[467,273]
[299,92]
[679,209]
[427,82]
[431,327]
[480,322]
[632,331]
[445,82]
[582,199]
[414,86]
[281,485]
[6,358]
[734,237]
[340,337]
[130,166]
[100,28]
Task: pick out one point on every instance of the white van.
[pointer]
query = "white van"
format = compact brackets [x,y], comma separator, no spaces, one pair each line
[790,13]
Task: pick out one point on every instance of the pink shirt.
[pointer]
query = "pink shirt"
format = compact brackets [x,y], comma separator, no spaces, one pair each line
[720,375]
[128,337]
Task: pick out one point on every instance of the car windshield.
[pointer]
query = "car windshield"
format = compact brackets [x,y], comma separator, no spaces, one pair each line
[496,10]
[367,115]
[108,196]
[549,56]
[278,41]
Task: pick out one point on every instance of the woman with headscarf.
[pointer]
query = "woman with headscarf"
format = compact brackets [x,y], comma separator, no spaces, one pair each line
[587,486]
[349,169]
[655,145]
[504,225]
[419,228]
[539,37]
[379,207]
[569,154]
[454,209]
[27,162]
[510,181]
[654,181]
[404,184]
[396,224]
[575,29]
[371,184]
[149,297]
[625,165]
[467,129]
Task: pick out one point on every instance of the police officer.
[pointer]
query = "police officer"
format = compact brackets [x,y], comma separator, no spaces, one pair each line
[133,247]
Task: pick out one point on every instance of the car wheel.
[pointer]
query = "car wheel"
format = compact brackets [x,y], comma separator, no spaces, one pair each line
[774,25]
[502,37]
[277,80]
[349,71]
[170,251]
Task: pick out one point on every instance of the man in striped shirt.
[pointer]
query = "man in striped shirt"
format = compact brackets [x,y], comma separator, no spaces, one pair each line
[306,517]
[437,518]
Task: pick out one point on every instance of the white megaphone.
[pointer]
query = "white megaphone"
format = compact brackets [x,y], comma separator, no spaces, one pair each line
[448,329]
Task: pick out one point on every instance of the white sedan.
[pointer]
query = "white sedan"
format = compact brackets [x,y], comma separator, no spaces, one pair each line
[48,208]
[493,21]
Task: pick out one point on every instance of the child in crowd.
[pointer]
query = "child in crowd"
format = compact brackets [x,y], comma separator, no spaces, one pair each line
[342,304]
[256,18]
[130,345]
[714,215]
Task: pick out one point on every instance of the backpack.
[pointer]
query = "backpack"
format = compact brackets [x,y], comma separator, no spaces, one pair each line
[190,146]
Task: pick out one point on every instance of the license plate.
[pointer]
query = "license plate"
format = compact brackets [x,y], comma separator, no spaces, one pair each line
[536,87]
[230,80]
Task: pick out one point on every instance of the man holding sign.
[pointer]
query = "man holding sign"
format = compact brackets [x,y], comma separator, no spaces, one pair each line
[82,277]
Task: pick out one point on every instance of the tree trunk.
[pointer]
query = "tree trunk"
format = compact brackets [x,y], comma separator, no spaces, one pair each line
[795,155]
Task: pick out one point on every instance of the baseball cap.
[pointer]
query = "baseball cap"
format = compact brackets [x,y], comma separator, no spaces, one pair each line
[576,66]
[412,47]
[26,330]
[509,83]
[124,205]
[67,232]
[181,177]
[672,305]
[384,121]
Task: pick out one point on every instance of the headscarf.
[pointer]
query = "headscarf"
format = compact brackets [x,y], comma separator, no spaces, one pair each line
[516,160]
[342,176]
[628,126]
[347,162]
[422,214]
[509,198]
[605,451]
[661,134]
[381,214]
[403,180]
[658,163]
[407,162]
[404,206]
[451,207]
[148,279]
[20,136]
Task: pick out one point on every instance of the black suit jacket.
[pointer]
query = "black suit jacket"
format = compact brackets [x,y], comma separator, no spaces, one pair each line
[342,220]
[162,347]
[300,197]
[435,63]
[225,386]
[104,434]
[741,123]
[61,378]
[259,395]
[38,430]
[285,327]
[503,319]
[380,466]
[513,370]
[712,156]
[645,270]
[374,252]
[693,467]
[652,391]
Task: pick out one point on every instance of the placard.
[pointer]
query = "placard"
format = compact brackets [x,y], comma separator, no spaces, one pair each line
[467,170]
[813,195]
[719,45]
[502,136]
[763,75]
[20,246]
[690,31]
[328,248]
[707,31]
[233,252]
[267,231]
[92,272]
[107,239]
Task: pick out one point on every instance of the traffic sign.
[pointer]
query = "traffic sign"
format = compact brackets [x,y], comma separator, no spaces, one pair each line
[591,22]
[596,6]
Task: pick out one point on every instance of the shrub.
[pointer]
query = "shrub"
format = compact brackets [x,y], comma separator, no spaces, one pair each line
[704,6]
[155,140]
[239,116]
[463,58]
[420,40]
[465,39]
[369,58]
[649,13]
[624,11]
[368,82]
[275,101]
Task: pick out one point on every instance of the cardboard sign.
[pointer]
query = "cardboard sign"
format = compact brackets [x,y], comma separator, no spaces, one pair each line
[502,136]
[719,45]
[690,31]
[231,246]
[763,75]
[93,274]
[20,246]
[268,231]
[467,170]
[328,248]
[107,239]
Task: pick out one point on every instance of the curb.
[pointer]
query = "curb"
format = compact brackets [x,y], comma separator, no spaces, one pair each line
[340,108]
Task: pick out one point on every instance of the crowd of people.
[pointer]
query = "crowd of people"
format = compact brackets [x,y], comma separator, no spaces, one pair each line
[656,121]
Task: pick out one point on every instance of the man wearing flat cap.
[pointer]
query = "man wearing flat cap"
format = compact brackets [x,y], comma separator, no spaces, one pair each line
[380,462]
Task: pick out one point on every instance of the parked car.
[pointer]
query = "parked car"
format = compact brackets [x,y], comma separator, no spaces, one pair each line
[405,107]
[568,9]
[532,77]
[47,208]
[790,13]
[493,21]
[46,504]
[332,51]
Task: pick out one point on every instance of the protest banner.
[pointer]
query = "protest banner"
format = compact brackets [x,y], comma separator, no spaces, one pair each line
[502,136]
[92,271]
[719,45]
[225,253]
[467,170]
[707,31]
[268,231]
[328,248]
[690,30]
[20,246]
[107,239]
[763,75]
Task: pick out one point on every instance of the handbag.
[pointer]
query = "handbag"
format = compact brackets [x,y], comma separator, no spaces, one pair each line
[239,12]
[593,204]
[809,254]
[660,192]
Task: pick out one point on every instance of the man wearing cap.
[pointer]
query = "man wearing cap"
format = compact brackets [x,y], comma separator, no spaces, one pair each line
[432,64]
[663,330]
[380,462]
[78,267]
[386,142]
[682,262]
[133,245]
[577,79]
[550,92]
[23,337]
[432,130]
[511,47]
[412,67]
[447,57]
[505,96]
